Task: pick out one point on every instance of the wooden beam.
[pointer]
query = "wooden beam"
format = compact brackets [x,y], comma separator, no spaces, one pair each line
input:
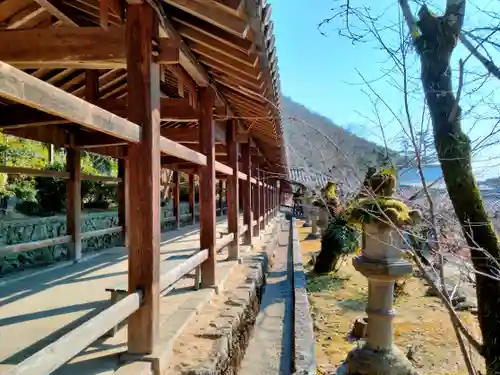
[19,116]
[220,149]
[232,186]
[247,194]
[214,15]
[207,187]
[71,47]
[178,110]
[143,178]
[56,12]
[186,134]
[182,76]
[246,68]
[22,88]
[222,168]
[231,40]
[215,44]
[234,5]
[190,63]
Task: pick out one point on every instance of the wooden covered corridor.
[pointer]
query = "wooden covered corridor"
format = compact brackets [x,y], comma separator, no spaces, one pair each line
[187,85]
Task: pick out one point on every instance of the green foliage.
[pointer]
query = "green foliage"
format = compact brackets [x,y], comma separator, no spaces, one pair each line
[384,210]
[339,240]
[328,198]
[376,204]
[43,196]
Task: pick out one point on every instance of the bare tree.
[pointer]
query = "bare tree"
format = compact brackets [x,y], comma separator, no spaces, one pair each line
[434,38]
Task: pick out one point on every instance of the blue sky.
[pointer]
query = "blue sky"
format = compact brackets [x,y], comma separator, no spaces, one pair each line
[320,71]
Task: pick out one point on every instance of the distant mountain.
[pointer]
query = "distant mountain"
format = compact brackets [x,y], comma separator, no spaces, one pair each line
[316,143]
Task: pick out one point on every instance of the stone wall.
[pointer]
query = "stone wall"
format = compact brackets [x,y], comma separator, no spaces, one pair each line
[15,231]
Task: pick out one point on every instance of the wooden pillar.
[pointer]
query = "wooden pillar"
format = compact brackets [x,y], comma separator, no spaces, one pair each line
[257,197]
[143,176]
[122,201]
[177,199]
[247,193]
[221,188]
[226,199]
[206,186]
[192,200]
[232,190]
[266,201]
[74,202]
[275,199]
[263,201]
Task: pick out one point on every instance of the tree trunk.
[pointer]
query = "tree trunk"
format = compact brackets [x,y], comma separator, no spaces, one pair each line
[435,47]
[326,261]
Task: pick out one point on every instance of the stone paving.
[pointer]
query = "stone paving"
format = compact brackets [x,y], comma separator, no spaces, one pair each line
[270,349]
[38,309]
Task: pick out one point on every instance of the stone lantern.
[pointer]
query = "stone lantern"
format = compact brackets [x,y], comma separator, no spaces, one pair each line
[306,206]
[313,214]
[381,262]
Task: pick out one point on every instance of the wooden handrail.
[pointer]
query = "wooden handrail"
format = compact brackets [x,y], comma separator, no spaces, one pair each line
[28,246]
[53,356]
[173,275]
[221,243]
[101,232]
[55,174]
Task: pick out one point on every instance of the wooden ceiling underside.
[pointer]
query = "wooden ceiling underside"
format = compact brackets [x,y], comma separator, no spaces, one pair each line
[231,42]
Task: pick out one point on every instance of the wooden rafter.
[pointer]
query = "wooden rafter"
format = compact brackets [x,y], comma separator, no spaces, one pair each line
[211,13]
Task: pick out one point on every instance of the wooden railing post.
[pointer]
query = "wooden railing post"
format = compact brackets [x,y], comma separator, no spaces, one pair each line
[192,200]
[262,200]
[143,177]
[177,199]
[273,206]
[74,202]
[221,188]
[257,197]
[122,201]
[232,190]
[266,202]
[206,185]
[247,193]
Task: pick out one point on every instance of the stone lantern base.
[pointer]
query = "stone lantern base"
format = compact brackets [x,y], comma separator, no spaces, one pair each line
[313,236]
[366,361]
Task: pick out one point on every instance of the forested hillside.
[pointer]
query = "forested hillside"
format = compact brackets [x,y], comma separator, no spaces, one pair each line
[316,142]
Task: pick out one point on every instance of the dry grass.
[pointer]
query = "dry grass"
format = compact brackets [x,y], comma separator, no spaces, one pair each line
[422,323]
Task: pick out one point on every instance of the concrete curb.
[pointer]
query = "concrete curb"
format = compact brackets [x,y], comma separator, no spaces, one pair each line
[304,361]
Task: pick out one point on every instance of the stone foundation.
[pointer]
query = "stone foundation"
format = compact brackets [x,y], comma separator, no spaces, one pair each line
[235,326]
